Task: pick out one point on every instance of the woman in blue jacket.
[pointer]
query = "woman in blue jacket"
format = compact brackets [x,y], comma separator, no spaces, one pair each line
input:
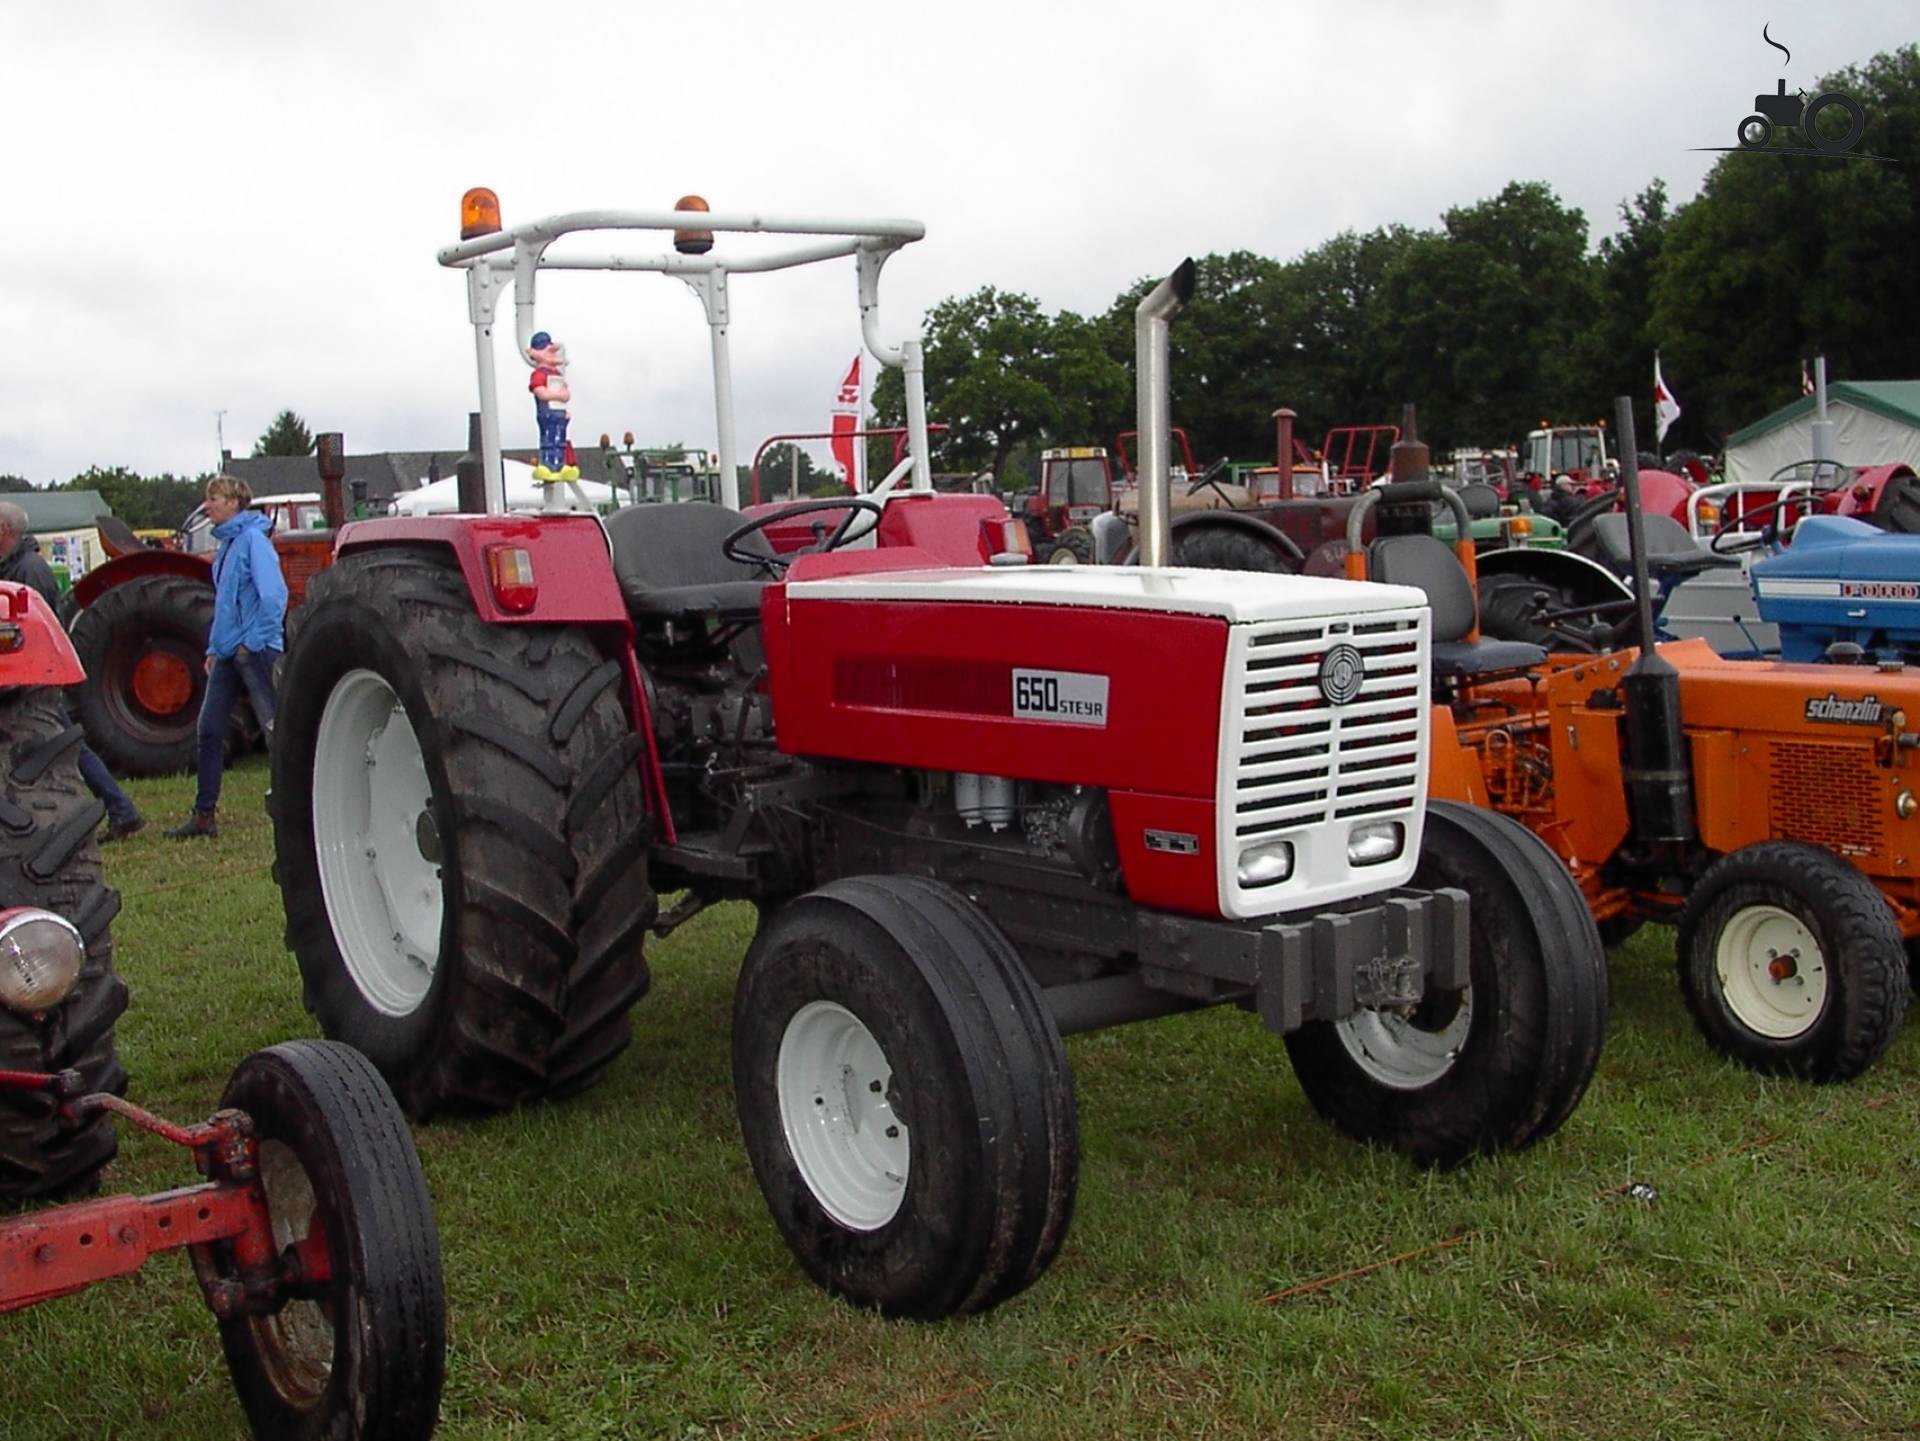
[249,610]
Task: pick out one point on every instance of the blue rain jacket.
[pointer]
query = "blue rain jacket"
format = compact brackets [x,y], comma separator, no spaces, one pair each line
[249,592]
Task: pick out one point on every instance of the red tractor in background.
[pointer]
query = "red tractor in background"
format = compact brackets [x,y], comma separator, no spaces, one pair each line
[140,622]
[978,804]
[311,1236]
[1076,484]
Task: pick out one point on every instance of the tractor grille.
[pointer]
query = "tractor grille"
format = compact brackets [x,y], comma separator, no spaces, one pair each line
[1827,795]
[1292,762]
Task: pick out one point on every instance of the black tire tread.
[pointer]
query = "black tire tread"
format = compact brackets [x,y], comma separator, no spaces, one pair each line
[177,605]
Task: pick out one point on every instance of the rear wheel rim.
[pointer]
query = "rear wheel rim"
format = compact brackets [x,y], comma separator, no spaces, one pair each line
[833,1084]
[162,683]
[1773,974]
[377,843]
[1406,1050]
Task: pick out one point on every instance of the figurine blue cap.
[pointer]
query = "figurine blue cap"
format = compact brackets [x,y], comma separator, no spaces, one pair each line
[540,341]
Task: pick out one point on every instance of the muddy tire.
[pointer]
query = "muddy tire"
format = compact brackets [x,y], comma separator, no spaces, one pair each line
[1071,547]
[144,645]
[361,1355]
[48,859]
[905,1098]
[460,837]
[1219,547]
[1791,962]
[1501,1064]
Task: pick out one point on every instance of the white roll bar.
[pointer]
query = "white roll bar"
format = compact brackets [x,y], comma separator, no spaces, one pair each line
[516,256]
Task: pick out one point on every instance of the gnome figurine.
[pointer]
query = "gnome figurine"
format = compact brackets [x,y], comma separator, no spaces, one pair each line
[550,395]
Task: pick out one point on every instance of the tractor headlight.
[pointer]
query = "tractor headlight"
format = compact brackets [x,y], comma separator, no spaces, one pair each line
[1266,863]
[40,956]
[1375,843]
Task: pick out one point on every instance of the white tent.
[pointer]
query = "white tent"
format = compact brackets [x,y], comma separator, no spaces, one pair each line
[441,497]
[1875,422]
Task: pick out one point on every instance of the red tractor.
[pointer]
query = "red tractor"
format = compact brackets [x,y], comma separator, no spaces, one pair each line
[140,625]
[311,1235]
[1076,484]
[979,805]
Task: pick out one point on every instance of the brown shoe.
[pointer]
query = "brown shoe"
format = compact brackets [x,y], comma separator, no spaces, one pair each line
[197,823]
[120,830]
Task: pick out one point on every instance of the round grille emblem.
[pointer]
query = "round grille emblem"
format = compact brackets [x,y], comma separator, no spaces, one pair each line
[1341,673]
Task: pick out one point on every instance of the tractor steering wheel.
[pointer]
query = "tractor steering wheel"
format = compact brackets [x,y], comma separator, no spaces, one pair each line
[1210,479]
[853,505]
[1731,538]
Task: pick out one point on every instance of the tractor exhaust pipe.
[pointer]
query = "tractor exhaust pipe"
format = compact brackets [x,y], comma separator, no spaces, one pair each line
[1153,409]
[1659,779]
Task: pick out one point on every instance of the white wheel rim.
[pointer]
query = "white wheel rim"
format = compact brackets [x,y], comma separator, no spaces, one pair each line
[1773,974]
[372,832]
[832,1081]
[1399,1054]
[1063,555]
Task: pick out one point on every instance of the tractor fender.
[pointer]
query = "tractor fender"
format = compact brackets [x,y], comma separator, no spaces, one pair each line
[38,651]
[1869,487]
[571,557]
[1582,581]
[135,564]
[1664,493]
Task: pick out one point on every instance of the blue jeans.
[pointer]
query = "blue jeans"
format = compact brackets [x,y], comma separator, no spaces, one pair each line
[254,670]
[100,781]
[553,439]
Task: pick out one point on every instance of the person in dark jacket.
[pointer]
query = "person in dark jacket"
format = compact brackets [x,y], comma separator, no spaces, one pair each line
[21,561]
[249,613]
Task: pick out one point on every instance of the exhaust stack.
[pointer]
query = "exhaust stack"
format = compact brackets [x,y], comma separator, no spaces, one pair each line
[1150,321]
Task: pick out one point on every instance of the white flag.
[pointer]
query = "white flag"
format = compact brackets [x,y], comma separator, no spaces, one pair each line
[1666,409]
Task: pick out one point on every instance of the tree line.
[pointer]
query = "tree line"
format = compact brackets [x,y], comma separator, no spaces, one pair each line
[1501,317]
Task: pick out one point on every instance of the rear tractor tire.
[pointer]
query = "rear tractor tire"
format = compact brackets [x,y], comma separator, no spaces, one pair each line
[904,1097]
[1501,1064]
[1792,963]
[48,859]
[144,645]
[1219,547]
[460,837]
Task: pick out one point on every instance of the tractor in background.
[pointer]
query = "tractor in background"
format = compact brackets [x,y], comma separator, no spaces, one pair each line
[311,1235]
[512,748]
[1768,809]
[1076,484]
[140,624]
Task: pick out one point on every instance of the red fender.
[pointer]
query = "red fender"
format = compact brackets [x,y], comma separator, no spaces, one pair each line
[135,564]
[1862,498]
[34,649]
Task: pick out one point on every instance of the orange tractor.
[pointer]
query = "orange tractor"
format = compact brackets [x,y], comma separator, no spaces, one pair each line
[140,626]
[1768,809]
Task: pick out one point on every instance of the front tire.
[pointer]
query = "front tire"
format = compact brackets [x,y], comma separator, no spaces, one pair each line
[361,1356]
[1501,1064]
[1073,546]
[1219,547]
[460,837]
[904,1097]
[48,859]
[1792,963]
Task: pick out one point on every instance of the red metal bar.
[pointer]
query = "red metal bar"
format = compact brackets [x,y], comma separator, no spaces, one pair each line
[32,1080]
[54,1253]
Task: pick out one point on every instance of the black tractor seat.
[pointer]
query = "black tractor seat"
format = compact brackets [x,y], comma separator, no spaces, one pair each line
[667,559]
[1431,566]
[1671,551]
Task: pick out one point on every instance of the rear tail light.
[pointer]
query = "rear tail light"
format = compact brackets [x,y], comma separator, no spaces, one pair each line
[1005,542]
[11,637]
[510,573]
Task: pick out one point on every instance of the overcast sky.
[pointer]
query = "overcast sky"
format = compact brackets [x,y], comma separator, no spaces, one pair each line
[235,207]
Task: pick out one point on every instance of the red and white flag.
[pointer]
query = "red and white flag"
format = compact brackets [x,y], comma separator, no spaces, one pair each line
[848,453]
[1666,409]
[1806,380]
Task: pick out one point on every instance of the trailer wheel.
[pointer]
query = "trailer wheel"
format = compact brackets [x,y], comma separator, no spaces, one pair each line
[460,837]
[1792,963]
[48,859]
[1219,547]
[1501,1064]
[144,646]
[362,1353]
[904,1097]
[1073,546]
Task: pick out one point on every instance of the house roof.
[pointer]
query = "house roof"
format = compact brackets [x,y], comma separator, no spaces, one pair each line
[57,510]
[1895,399]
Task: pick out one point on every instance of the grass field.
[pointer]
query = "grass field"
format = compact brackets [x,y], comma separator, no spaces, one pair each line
[612,1271]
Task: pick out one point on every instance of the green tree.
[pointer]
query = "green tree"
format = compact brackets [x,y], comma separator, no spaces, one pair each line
[784,463]
[1783,255]
[288,435]
[13,484]
[1614,354]
[141,501]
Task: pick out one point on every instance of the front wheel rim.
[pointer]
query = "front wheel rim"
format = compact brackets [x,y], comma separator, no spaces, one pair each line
[1773,975]
[834,1086]
[295,1343]
[377,844]
[1397,1050]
